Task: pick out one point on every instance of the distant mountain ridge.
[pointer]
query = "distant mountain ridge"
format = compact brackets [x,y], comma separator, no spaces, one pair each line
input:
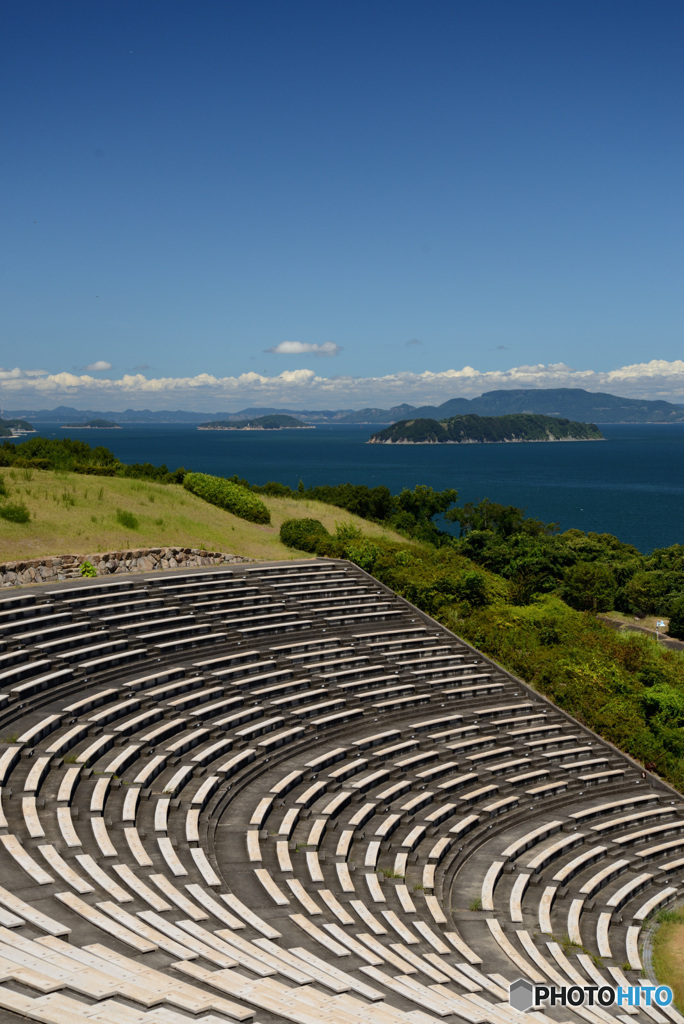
[567,403]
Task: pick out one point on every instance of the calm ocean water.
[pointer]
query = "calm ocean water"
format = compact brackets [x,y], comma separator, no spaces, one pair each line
[631,485]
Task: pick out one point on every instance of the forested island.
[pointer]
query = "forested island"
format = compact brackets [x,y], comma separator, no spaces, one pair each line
[278,421]
[96,424]
[473,429]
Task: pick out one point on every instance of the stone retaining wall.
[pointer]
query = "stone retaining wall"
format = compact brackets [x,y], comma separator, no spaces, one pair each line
[65,567]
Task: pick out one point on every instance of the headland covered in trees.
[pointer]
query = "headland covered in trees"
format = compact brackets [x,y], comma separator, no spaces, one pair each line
[15,427]
[473,429]
[513,586]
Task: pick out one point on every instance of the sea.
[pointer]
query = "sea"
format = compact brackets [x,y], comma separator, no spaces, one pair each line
[630,485]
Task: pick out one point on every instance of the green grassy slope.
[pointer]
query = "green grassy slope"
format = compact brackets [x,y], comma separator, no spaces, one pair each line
[76,514]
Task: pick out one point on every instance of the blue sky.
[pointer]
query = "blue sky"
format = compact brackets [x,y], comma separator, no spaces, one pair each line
[422,199]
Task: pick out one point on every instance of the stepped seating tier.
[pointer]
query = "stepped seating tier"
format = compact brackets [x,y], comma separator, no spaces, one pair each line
[280,793]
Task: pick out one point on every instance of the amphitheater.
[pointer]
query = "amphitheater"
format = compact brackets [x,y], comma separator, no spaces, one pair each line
[278,792]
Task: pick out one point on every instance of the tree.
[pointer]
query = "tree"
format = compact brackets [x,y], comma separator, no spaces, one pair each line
[652,593]
[676,626]
[424,503]
[589,587]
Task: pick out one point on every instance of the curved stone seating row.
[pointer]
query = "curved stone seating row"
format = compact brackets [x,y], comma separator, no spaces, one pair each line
[281,792]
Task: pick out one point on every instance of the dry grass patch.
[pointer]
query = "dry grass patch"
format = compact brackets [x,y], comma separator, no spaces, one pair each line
[668,953]
[76,514]
[645,621]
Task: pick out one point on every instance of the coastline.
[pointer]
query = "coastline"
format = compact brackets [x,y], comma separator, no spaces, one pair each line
[267,429]
[507,440]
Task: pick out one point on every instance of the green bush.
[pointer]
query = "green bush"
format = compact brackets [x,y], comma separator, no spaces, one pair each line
[472,587]
[664,702]
[652,592]
[363,553]
[33,463]
[81,467]
[589,586]
[676,624]
[302,534]
[275,490]
[227,495]
[87,569]
[126,519]
[15,512]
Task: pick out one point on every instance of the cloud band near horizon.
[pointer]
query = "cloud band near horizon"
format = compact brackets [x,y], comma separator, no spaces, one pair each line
[305,388]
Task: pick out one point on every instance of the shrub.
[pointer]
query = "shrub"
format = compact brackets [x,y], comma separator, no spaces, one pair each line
[81,467]
[33,463]
[365,554]
[665,703]
[472,587]
[15,512]
[589,586]
[88,569]
[303,534]
[227,495]
[275,490]
[126,519]
[676,624]
[647,592]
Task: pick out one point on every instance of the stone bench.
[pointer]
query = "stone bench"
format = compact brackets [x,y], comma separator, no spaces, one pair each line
[489,882]
[211,752]
[195,638]
[549,853]
[598,810]
[545,906]
[93,652]
[628,819]
[530,839]
[660,899]
[35,733]
[279,739]
[660,849]
[113,660]
[628,891]
[565,874]
[652,831]
[71,641]
[24,860]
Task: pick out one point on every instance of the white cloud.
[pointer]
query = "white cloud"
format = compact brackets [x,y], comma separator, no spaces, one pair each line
[302,348]
[99,364]
[304,388]
[17,374]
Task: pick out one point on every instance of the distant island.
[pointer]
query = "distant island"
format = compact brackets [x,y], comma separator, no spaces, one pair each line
[15,428]
[473,429]
[276,422]
[92,425]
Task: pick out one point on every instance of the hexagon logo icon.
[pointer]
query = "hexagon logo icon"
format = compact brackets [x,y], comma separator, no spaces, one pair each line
[521,994]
